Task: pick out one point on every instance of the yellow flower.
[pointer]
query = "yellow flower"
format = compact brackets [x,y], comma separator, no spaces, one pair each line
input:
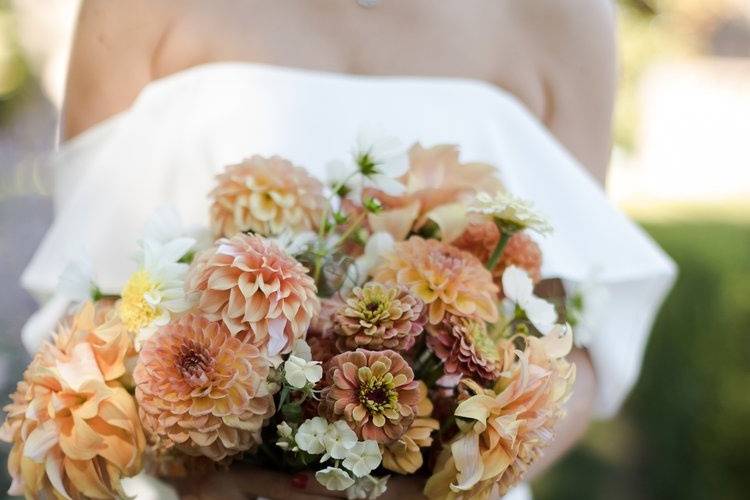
[74,428]
[404,456]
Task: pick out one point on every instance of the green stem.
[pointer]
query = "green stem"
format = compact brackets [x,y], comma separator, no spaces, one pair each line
[355,224]
[498,251]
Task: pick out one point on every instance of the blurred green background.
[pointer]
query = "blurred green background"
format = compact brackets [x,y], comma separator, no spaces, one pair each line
[685,430]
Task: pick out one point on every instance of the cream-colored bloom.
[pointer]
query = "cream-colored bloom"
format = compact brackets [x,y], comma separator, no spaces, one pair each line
[156,290]
[294,243]
[368,487]
[310,436]
[519,289]
[298,372]
[509,210]
[339,440]
[378,244]
[363,458]
[286,436]
[334,479]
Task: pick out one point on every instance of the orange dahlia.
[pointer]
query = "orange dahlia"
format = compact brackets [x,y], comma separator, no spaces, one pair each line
[480,238]
[202,390]
[465,347]
[378,317]
[266,196]
[404,455]
[74,428]
[256,289]
[442,276]
[373,391]
[504,429]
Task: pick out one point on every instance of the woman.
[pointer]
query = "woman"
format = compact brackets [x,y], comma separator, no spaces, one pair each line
[151,101]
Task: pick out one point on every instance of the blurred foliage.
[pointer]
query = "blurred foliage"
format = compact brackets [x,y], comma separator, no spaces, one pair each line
[684,431]
[652,30]
[13,70]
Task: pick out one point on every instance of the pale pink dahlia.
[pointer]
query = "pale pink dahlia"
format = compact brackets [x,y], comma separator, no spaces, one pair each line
[256,289]
[465,347]
[202,390]
[266,196]
[378,316]
[449,280]
[373,391]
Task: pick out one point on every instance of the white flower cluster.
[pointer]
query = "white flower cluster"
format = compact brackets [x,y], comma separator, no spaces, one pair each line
[519,291]
[354,459]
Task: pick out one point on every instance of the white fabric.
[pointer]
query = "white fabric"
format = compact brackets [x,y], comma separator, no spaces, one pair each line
[184,128]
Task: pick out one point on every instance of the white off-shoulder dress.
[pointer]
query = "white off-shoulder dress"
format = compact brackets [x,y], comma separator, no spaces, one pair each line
[183,129]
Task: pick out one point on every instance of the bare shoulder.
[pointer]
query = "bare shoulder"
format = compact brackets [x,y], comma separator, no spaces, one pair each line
[573,44]
[111,58]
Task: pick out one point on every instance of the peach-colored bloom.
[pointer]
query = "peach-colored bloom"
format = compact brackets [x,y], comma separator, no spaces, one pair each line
[465,347]
[256,290]
[404,455]
[74,428]
[378,317]
[202,390]
[266,196]
[480,238]
[503,430]
[436,178]
[444,277]
[374,391]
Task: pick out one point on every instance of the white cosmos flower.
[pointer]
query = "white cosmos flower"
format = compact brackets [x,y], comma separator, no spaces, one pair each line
[294,244]
[378,244]
[339,440]
[334,479]
[156,290]
[519,289]
[505,207]
[368,487]
[378,162]
[363,458]
[311,434]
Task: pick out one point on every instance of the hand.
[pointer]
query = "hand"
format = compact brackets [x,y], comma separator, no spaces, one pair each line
[242,482]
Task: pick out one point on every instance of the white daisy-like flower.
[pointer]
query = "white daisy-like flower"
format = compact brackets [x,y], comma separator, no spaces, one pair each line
[379,161]
[378,244]
[310,436]
[294,244]
[339,440]
[334,479]
[511,211]
[519,290]
[363,458]
[156,290]
[368,487]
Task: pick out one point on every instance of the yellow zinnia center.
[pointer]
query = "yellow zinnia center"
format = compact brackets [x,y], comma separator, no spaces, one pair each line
[135,311]
[378,394]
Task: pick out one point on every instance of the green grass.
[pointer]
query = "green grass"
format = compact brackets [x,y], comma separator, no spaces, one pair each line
[685,431]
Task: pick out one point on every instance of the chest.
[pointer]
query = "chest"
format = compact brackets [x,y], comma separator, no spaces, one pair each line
[453,38]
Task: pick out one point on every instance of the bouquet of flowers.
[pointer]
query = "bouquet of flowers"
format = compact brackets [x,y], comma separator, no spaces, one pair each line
[388,323]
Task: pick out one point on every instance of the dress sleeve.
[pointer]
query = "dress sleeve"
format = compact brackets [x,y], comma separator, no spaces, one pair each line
[595,248]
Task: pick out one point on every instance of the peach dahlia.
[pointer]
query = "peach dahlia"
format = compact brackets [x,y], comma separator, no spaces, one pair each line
[256,290]
[266,196]
[202,390]
[449,280]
